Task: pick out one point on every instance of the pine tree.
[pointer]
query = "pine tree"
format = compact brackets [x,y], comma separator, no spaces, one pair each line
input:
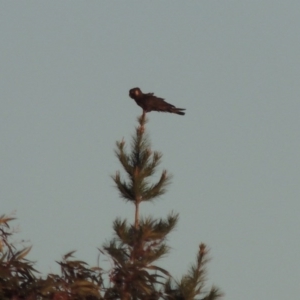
[134,250]
[137,246]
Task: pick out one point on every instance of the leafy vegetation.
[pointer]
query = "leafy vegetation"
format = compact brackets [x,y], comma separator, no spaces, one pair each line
[134,250]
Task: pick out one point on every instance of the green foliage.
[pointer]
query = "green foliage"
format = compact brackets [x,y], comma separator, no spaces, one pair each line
[77,280]
[192,284]
[133,251]
[16,273]
[140,164]
[19,280]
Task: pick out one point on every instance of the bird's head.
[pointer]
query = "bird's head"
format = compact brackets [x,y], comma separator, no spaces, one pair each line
[135,93]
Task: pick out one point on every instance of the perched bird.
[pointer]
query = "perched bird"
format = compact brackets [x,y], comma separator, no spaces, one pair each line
[149,102]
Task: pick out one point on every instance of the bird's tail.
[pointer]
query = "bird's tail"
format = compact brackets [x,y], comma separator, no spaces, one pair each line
[179,111]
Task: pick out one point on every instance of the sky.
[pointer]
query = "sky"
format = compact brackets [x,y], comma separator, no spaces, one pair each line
[65,71]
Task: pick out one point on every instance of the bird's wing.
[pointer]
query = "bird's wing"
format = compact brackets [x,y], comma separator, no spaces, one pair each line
[158,104]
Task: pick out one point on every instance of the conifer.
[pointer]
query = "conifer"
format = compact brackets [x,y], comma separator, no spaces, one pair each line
[137,246]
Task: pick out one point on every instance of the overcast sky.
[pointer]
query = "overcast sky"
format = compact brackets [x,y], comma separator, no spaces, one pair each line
[65,71]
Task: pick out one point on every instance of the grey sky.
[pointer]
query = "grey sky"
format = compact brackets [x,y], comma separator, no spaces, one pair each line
[66,68]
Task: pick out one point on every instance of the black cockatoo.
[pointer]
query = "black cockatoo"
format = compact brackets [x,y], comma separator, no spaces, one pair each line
[149,102]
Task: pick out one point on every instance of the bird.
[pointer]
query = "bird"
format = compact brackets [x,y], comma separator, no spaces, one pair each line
[148,102]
